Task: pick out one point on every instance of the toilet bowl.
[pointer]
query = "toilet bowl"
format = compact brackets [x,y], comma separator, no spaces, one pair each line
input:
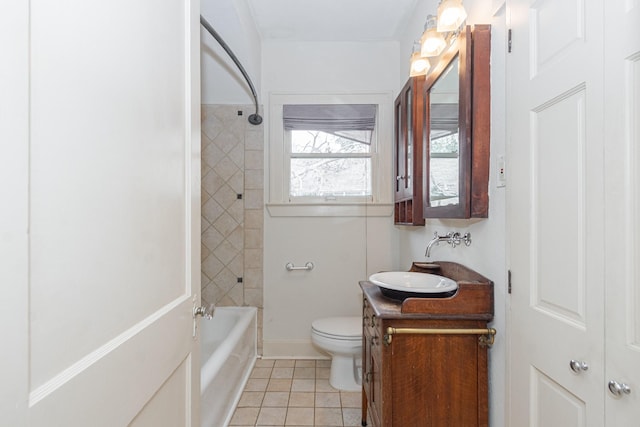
[341,337]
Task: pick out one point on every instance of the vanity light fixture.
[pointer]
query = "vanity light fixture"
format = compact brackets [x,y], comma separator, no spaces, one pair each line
[419,64]
[451,15]
[432,42]
[438,32]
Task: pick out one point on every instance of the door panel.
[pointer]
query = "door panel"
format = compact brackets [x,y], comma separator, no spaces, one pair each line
[558,153]
[166,407]
[622,160]
[555,27]
[124,374]
[555,213]
[108,171]
[554,405]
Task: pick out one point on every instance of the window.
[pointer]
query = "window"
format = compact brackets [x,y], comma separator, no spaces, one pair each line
[330,149]
[329,154]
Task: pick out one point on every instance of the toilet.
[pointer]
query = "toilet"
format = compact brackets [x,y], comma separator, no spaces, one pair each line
[341,337]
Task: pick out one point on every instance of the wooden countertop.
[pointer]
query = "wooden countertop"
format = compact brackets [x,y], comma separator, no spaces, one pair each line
[472,301]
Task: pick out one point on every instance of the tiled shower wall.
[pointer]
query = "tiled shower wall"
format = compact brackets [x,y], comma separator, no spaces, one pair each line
[232,208]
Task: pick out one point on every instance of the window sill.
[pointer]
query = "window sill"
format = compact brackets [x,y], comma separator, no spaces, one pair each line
[330,209]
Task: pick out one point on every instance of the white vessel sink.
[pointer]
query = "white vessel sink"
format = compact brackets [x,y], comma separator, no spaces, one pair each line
[408,281]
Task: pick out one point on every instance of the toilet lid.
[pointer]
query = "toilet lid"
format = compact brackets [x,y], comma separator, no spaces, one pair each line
[339,326]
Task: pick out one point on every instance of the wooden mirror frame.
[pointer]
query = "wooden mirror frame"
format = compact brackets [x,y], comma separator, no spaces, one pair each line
[472,47]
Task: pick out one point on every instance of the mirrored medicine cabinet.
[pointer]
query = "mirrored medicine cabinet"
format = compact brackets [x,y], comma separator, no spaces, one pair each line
[442,134]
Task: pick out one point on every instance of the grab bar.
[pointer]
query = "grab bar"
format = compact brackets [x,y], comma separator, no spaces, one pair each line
[290,267]
[487,337]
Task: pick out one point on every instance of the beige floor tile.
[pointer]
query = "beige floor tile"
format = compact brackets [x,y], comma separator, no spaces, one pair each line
[304,373]
[272,416]
[323,363]
[328,417]
[244,416]
[300,417]
[276,399]
[323,385]
[251,399]
[303,385]
[295,393]
[285,363]
[352,417]
[305,363]
[351,399]
[265,363]
[301,399]
[323,373]
[328,400]
[256,384]
[279,384]
[282,373]
[261,373]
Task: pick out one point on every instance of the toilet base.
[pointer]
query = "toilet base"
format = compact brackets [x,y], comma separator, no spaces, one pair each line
[346,373]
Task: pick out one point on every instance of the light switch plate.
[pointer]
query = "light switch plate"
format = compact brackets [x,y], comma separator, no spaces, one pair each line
[502,173]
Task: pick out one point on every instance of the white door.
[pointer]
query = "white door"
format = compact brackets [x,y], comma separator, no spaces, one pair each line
[555,212]
[99,226]
[622,185]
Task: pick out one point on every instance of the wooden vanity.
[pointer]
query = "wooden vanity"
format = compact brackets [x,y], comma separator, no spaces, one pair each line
[425,359]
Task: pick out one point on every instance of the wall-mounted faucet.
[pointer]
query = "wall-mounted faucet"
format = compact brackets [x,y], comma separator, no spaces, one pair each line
[452,238]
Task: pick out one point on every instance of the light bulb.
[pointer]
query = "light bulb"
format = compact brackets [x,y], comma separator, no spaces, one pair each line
[432,43]
[419,65]
[451,15]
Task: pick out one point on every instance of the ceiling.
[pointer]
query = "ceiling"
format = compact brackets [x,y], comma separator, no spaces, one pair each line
[331,20]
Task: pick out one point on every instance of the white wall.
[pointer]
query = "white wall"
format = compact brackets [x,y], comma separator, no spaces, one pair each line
[487,253]
[345,250]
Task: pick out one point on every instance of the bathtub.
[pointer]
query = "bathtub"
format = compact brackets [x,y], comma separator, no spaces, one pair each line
[228,353]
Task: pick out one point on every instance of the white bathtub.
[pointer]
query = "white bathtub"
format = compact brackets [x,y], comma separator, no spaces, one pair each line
[228,353]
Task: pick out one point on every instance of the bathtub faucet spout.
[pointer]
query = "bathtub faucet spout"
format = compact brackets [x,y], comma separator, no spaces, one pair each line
[205,311]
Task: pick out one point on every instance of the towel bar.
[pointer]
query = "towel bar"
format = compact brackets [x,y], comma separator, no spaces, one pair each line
[486,339]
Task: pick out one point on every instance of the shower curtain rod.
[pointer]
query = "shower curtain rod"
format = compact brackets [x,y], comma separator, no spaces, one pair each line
[254,119]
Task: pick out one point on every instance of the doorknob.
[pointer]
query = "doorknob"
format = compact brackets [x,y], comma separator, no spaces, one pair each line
[578,366]
[618,389]
[204,311]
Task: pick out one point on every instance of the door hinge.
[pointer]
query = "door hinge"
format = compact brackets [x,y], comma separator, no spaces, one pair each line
[509,40]
[509,281]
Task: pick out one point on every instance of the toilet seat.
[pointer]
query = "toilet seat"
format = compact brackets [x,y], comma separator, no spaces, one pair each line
[339,328]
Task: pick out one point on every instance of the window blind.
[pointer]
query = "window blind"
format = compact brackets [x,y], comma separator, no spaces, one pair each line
[331,118]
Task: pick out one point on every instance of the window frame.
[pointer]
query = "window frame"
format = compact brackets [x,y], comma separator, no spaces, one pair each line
[279,157]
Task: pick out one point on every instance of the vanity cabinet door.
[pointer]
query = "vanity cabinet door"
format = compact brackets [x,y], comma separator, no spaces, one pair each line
[457,104]
[408,158]
[371,381]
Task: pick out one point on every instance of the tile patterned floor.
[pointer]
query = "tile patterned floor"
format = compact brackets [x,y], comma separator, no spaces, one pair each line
[295,393]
